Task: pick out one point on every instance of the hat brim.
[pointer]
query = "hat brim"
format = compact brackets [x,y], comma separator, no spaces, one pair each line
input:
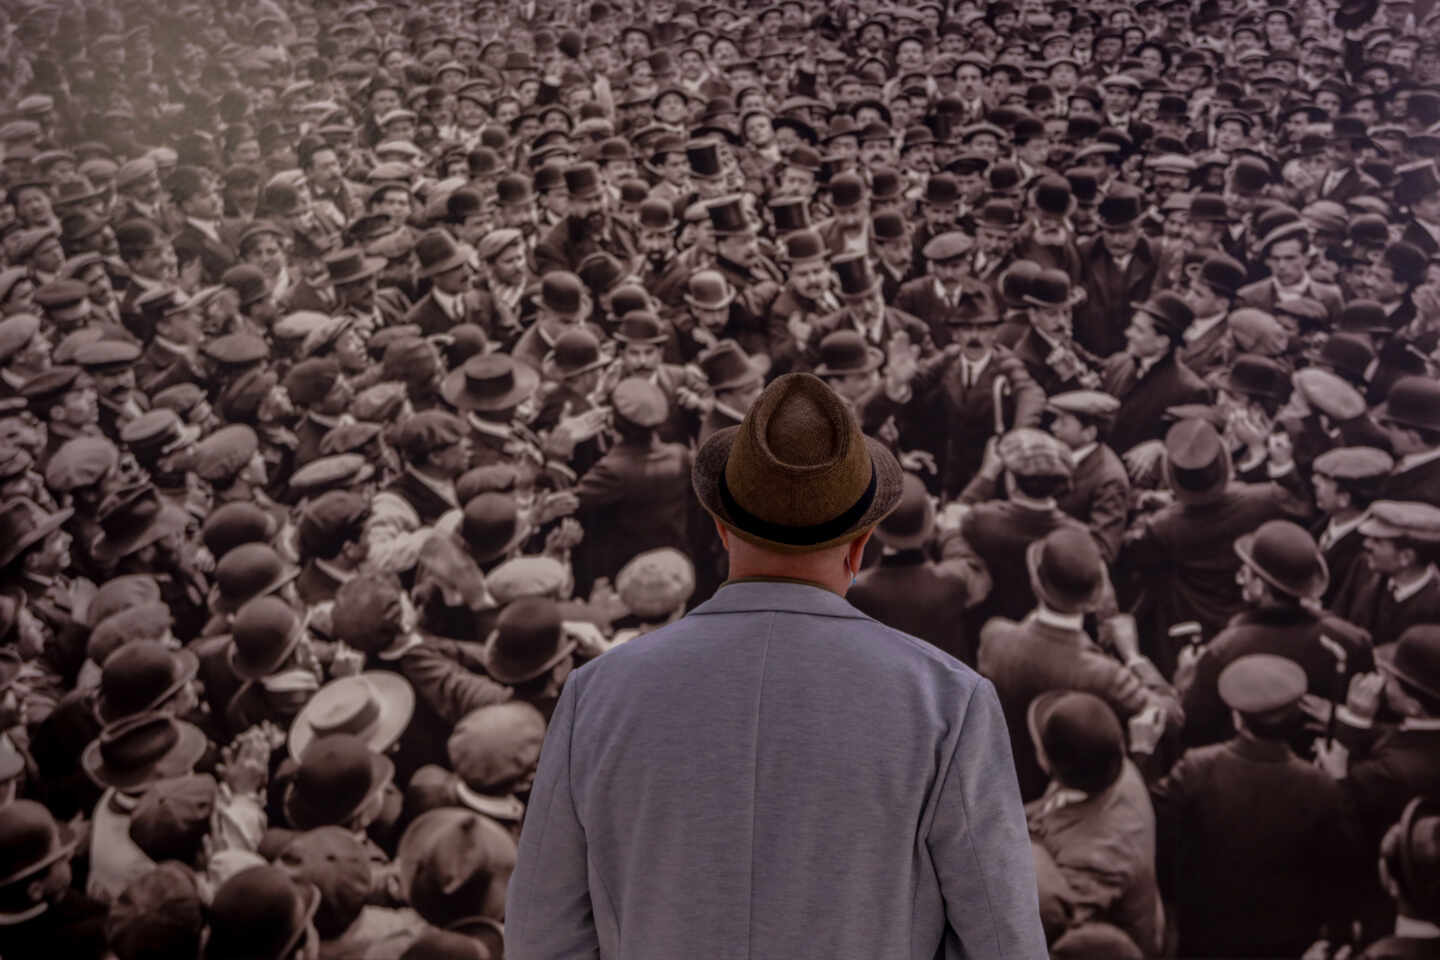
[1067,605]
[303,817]
[170,519]
[1245,549]
[189,667]
[708,474]
[189,747]
[370,267]
[64,846]
[1210,494]
[500,671]
[874,360]
[221,605]
[452,388]
[1385,661]
[396,699]
[51,523]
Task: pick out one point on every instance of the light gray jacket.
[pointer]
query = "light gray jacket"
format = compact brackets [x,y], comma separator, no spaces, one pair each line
[776,776]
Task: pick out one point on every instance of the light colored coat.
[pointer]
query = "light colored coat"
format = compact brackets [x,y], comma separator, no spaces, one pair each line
[775,775]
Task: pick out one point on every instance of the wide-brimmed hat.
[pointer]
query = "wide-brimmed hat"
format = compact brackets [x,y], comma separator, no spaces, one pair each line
[438,252]
[131,520]
[338,774]
[489,381]
[528,640]
[1285,556]
[351,266]
[797,474]
[1414,658]
[1197,465]
[23,522]
[1067,571]
[375,706]
[142,749]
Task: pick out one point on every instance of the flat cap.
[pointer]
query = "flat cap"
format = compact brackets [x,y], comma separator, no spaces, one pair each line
[1387,519]
[948,246]
[1085,403]
[640,402]
[1329,393]
[1354,463]
[80,462]
[221,455]
[1262,683]
[1027,452]
[15,332]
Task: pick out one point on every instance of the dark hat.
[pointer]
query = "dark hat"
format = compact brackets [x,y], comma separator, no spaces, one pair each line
[259,914]
[856,278]
[1197,465]
[248,282]
[333,861]
[1121,207]
[1414,659]
[561,292]
[1285,556]
[727,216]
[1262,684]
[582,180]
[832,482]
[30,841]
[805,246]
[1407,261]
[1254,376]
[789,214]
[709,290]
[887,225]
[704,158]
[1080,736]
[351,265]
[1049,288]
[438,253]
[338,774]
[490,526]
[999,214]
[23,523]
[1348,354]
[1171,314]
[455,863]
[642,326]
[575,351]
[1413,401]
[845,352]
[489,381]
[1209,208]
[528,640]
[142,749]
[1224,274]
[847,190]
[1053,195]
[249,571]
[150,622]
[140,676]
[234,524]
[727,367]
[910,525]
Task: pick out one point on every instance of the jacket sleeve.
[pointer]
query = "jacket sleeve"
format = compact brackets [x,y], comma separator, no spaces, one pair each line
[449,689]
[1109,508]
[1029,398]
[980,844]
[549,914]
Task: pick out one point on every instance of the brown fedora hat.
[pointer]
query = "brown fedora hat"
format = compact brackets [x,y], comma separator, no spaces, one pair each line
[797,474]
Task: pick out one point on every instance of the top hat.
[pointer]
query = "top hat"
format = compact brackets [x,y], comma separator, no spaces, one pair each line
[1197,465]
[528,640]
[489,381]
[1285,556]
[831,483]
[857,280]
[790,214]
[704,158]
[727,216]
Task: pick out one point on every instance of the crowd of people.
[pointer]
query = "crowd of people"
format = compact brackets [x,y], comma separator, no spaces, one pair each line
[354,357]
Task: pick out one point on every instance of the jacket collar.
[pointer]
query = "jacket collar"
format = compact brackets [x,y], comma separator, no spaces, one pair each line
[789,596]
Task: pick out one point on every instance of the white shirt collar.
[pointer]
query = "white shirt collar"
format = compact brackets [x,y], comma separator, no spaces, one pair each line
[1403,592]
[206,227]
[1299,290]
[1062,621]
[449,302]
[1412,460]
[444,488]
[1082,452]
[1416,929]
[1337,531]
[1123,263]
[1202,326]
[976,367]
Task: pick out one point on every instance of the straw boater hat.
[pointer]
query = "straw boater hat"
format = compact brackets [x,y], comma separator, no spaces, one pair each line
[797,474]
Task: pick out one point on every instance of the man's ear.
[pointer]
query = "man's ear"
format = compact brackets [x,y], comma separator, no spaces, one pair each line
[724,533]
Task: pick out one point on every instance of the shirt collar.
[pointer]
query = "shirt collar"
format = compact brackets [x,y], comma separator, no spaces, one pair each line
[496,431]
[1412,460]
[333,572]
[1202,326]
[1062,621]
[449,302]
[443,488]
[206,227]
[1414,929]
[1082,452]
[1338,529]
[977,367]
[1300,289]
[1403,592]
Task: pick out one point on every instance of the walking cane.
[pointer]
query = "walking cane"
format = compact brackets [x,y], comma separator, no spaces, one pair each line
[1341,662]
[1000,389]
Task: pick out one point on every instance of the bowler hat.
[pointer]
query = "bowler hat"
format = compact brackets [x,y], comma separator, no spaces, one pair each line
[797,474]
[1348,354]
[576,351]
[246,572]
[1171,314]
[337,776]
[1224,274]
[30,841]
[642,326]
[561,292]
[1412,402]
[259,914]
[139,677]
[1414,659]
[727,367]
[844,352]
[489,381]
[1121,207]
[528,640]
[709,290]
[1197,465]
[1285,556]
[1048,289]
[490,526]
[141,749]
[1253,376]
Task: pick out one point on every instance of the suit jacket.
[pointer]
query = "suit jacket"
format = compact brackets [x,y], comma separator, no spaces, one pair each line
[1027,658]
[558,251]
[1352,184]
[912,593]
[919,298]
[1034,351]
[998,533]
[1253,849]
[431,318]
[1185,555]
[724,765]
[633,499]
[1416,234]
[1418,483]
[1099,497]
[1101,320]
[1143,401]
[1263,295]
[1211,351]
[216,256]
